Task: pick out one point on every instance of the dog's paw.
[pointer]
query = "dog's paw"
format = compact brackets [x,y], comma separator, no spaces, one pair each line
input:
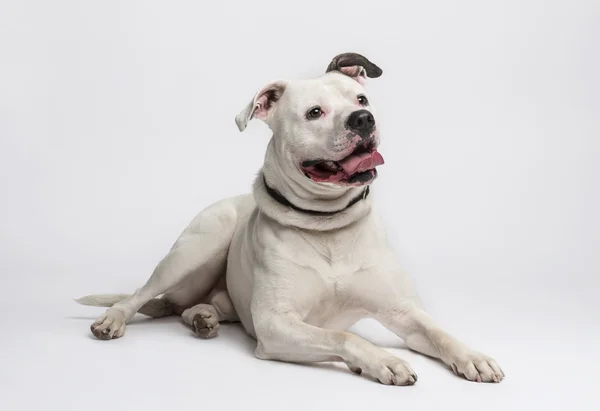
[203,319]
[206,324]
[388,370]
[109,325]
[477,367]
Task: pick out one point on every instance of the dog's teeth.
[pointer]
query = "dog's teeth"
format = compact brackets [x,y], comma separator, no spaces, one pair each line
[330,165]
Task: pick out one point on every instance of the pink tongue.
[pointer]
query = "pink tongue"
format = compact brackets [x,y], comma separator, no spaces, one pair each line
[357,163]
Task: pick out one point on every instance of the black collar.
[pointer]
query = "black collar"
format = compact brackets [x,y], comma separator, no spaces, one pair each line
[277,196]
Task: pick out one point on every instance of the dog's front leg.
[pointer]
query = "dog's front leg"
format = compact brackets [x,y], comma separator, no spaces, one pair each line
[420,333]
[285,337]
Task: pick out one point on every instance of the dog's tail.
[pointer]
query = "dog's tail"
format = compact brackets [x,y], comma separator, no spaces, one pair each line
[157,307]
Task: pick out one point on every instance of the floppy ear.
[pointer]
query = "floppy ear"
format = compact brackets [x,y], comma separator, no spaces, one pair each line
[261,104]
[354,65]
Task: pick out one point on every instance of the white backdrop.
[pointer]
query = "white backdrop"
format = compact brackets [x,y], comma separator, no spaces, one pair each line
[116,128]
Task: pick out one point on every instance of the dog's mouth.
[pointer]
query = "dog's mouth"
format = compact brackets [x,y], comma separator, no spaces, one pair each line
[356,169]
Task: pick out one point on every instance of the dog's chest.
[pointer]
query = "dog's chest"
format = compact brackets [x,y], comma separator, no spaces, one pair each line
[343,249]
[339,261]
[336,303]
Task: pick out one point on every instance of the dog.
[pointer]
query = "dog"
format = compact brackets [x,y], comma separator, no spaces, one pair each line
[302,257]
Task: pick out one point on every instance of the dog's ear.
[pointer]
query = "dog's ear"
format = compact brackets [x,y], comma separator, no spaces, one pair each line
[354,65]
[262,103]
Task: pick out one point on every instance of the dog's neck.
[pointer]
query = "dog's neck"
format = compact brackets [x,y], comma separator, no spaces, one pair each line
[329,203]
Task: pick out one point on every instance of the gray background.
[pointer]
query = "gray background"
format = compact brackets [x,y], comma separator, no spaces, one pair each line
[116,126]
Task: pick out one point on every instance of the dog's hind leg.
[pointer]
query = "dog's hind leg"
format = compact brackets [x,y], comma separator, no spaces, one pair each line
[201,250]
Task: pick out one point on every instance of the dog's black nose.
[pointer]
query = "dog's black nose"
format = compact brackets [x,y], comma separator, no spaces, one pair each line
[361,121]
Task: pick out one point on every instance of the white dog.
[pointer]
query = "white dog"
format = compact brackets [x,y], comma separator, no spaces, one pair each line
[303,257]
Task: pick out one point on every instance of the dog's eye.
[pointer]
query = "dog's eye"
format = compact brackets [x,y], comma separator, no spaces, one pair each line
[314,113]
[362,100]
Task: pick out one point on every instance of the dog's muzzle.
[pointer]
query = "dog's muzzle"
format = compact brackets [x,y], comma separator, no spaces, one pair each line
[358,168]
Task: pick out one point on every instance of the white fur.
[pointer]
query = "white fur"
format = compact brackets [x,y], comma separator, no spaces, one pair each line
[296,282]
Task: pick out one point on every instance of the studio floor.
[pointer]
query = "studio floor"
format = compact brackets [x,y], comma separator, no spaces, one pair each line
[51,361]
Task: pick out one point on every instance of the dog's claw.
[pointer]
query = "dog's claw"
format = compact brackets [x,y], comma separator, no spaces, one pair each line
[355,370]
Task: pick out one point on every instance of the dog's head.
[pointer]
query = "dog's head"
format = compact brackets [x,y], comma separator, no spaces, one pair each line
[324,127]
